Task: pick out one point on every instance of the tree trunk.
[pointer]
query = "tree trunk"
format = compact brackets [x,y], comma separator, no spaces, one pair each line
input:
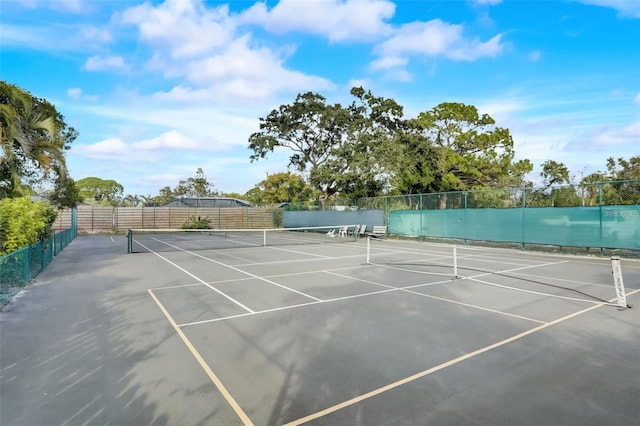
[443,201]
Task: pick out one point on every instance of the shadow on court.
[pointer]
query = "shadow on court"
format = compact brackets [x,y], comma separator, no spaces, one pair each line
[312,335]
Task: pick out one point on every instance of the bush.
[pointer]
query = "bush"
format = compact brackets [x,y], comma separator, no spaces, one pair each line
[197,223]
[23,223]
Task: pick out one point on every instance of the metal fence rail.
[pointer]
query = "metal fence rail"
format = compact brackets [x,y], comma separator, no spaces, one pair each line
[623,192]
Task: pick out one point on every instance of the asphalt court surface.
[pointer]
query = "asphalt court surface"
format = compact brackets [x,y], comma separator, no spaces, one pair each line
[309,328]
[317,335]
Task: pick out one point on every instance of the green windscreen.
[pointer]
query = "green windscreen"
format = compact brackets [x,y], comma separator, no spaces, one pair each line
[599,226]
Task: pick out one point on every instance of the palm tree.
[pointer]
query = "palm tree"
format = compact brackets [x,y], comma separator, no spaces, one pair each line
[29,133]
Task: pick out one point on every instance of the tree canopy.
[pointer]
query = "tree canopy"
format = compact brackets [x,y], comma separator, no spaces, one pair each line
[33,139]
[368,148]
[100,191]
[283,187]
[338,149]
[472,152]
[195,186]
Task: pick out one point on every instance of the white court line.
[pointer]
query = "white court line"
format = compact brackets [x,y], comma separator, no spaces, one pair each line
[239,270]
[199,280]
[200,284]
[562,279]
[540,293]
[408,290]
[484,274]
[475,306]
[284,308]
[278,262]
[439,367]
[487,260]
[212,376]
[359,279]
[416,272]
[389,289]
[265,276]
[169,287]
[298,252]
[224,253]
[475,278]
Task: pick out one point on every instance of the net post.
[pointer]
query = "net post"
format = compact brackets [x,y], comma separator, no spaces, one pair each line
[264,238]
[129,242]
[368,250]
[455,262]
[616,270]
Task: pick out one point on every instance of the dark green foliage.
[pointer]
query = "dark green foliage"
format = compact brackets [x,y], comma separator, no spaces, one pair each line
[23,223]
[198,222]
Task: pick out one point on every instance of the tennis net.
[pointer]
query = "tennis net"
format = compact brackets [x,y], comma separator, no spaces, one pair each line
[567,277]
[163,240]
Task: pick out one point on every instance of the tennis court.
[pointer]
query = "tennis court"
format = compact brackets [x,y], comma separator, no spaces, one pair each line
[224,328]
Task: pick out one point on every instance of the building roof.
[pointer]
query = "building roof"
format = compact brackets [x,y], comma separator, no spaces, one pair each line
[208,202]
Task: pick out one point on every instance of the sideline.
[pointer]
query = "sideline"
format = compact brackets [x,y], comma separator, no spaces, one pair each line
[216,381]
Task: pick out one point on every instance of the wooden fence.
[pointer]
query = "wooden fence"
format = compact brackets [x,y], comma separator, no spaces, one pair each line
[93,219]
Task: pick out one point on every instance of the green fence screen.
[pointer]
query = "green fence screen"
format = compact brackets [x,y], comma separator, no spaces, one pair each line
[612,226]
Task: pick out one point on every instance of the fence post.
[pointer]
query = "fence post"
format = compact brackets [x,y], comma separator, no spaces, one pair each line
[74,222]
[601,223]
[26,272]
[523,217]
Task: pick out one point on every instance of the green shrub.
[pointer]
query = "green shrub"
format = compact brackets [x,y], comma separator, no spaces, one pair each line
[23,223]
[197,223]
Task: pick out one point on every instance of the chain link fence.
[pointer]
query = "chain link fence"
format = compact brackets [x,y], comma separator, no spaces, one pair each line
[624,192]
[18,268]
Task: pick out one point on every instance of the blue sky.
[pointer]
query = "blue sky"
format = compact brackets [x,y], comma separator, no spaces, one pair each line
[158,89]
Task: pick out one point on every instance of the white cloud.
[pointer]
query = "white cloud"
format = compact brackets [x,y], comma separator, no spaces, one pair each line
[108,149]
[72,6]
[212,129]
[97,63]
[626,8]
[247,73]
[183,29]
[614,136]
[169,140]
[337,20]
[94,34]
[388,62]
[189,40]
[636,100]
[147,150]
[438,38]
[77,94]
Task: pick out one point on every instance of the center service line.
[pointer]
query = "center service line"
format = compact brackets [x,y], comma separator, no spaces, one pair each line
[200,280]
[244,272]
